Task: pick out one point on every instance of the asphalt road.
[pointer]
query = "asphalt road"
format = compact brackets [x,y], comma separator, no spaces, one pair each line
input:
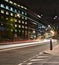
[17,56]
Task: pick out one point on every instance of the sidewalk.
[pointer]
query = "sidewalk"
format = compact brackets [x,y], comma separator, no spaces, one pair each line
[54,52]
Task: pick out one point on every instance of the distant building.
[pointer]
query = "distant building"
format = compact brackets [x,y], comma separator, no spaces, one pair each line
[16,22]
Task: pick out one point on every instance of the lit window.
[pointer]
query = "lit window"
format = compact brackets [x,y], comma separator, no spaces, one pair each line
[23,22]
[25,18]
[22,26]
[15,25]
[19,21]
[11,2]
[11,9]
[22,17]
[18,5]
[25,8]
[7,7]
[15,30]
[11,19]
[2,5]
[2,11]
[22,7]
[19,26]
[22,12]
[1,24]
[7,13]
[6,0]
[15,20]
[18,15]
[11,14]
[25,13]
[15,11]
[15,4]
[6,18]
[26,27]
[11,30]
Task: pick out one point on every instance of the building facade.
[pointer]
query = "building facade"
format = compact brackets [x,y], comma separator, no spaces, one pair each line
[16,22]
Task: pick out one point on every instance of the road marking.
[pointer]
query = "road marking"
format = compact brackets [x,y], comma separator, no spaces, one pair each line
[29,63]
[37,59]
[46,62]
[42,56]
[20,64]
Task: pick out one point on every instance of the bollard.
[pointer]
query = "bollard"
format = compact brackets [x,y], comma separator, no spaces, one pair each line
[51,44]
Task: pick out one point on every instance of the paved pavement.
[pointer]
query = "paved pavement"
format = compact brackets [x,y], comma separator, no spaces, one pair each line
[47,57]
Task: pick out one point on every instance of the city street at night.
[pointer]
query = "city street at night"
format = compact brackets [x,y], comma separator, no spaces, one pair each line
[29,32]
[21,55]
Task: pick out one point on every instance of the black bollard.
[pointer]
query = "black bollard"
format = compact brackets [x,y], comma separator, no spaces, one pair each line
[51,44]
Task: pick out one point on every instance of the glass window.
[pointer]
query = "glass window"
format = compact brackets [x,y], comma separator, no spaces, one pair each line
[2,11]
[15,11]
[26,27]
[7,13]
[11,9]
[22,17]
[23,22]
[19,21]
[25,13]
[7,7]
[25,18]
[11,30]
[15,20]
[22,7]
[6,0]
[15,30]
[2,5]
[15,4]
[11,14]
[22,31]
[22,12]
[22,26]
[1,24]
[18,15]
[25,8]
[11,2]
[19,26]
[15,25]
[18,5]
[6,18]
[11,19]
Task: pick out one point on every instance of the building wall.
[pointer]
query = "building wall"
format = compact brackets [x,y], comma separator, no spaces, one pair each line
[14,23]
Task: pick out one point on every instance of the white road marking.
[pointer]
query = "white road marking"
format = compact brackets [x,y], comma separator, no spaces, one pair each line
[37,59]
[47,62]
[42,56]
[29,63]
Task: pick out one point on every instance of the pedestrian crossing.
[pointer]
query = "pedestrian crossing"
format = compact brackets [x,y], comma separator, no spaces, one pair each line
[38,59]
